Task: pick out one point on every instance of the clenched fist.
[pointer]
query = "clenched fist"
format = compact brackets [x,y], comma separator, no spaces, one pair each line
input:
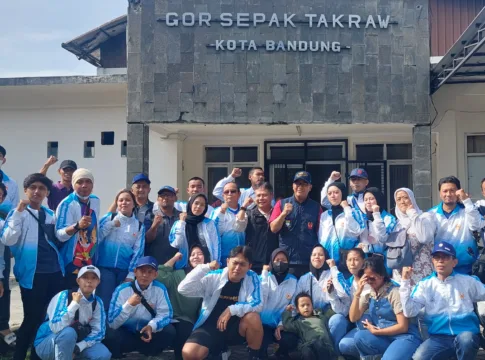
[236,172]
[344,204]
[335,175]
[76,297]
[376,208]
[288,209]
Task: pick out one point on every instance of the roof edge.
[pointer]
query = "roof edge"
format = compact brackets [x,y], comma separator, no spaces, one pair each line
[64,80]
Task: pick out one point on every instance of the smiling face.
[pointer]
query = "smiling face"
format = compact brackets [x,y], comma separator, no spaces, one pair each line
[334,195]
[403,201]
[198,206]
[36,193]
[84,187]
[125,203]
[369,201]
[145,275]
[263,198]
[301,189]
[448,194]
[444,263]
[196,257]
[318,257]
[166,199]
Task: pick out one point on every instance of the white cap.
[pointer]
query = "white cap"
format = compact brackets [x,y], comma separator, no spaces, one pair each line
[88,269]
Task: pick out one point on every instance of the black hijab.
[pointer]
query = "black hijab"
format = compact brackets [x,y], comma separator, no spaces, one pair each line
[318,272]
[280,277]
[192,220]
[338,209]
[379,199]
[205,251]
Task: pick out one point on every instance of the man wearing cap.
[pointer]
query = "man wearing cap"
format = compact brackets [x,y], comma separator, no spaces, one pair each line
[12,198]
[447,298]
[140,314]
[76,322]
[144,207]
[196,185]
[358,183]
[296,219]
[157,242]
[78,217]
[62,188]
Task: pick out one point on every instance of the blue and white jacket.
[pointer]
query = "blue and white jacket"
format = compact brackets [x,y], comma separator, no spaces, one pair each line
[135,318]
[206,284]
[182,206]
[338,299]
[344,235]
[376,232]
[230,229]
[21,233]
[60,315]
[68,213]
[120,247]
[208,236]
[12,198]
[2,249]
[276,297]
[458,231]
[448,304]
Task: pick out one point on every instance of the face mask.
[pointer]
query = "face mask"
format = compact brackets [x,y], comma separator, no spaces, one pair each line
[280,267]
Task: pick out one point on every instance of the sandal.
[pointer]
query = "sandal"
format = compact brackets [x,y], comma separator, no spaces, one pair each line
[9,339]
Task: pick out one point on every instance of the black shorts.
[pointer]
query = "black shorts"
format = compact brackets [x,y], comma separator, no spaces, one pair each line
[209,336]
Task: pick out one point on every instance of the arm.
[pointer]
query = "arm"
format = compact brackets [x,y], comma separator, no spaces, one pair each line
[278,217]
[477,289]
[151,234]
[359,305]
[65,222]
[12,229]
[354,223]
[253,302]
[340,284]
[219,188]
[119,308]
[50,161]
[98,327]
[265,284]
[164,310]
[178,240]
[106,225]
[194,283]
[383,226]
[323,195]
[290,323]
[424,224]
[473,218]
[241,218]
[60,314]
[400,328]
[412,303]
[214,242]
[138,251]
[338,304]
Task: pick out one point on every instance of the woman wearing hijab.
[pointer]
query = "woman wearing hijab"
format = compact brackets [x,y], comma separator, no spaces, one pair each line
[278,287]
[329,292]
[185,309]
[419,233]
[378,222]
[341,225]
[194,228]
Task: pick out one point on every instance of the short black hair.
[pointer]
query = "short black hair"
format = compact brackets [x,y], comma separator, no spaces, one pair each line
[37,177]
[358,251]
[449,180]
[245,251]
[254,169]
[302,295]
[375,264]
[4,189]
[3,152]
[266,186]
[197,178]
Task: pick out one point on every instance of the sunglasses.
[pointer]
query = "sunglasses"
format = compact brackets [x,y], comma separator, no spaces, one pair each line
[226,192]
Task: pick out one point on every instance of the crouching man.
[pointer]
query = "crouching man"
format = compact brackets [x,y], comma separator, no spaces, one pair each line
[231,302]
[75,323]
[140,314]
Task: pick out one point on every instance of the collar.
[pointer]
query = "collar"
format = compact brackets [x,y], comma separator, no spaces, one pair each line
[457,209]
[382,291]
[452,275]
[61,186]
[175,213]
[78,198]
[300,203]
[234,211]
[90,299]
[139,288]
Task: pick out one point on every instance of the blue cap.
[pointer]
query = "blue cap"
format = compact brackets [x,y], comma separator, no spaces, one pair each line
[141,177]
[167,188]
[147,261]
[359,173]
[303,175]
[445,248]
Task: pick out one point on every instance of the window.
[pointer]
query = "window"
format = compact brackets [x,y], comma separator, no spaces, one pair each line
[52,148]
[108,138]
[220,160]
[89,149]
[399,151]
[475,164]
[124,148]
[476,144]
[370,152]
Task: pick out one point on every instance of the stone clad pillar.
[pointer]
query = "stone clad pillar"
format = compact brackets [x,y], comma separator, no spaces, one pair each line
[137,150]
[422,186]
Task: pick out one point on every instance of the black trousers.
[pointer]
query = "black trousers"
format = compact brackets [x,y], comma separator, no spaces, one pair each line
[183,329]
[317,350]
[34,303]
[288,342]
[5,299]
[122,341]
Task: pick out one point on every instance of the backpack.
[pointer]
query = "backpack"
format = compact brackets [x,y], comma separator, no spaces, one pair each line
[82,331]
[139,222]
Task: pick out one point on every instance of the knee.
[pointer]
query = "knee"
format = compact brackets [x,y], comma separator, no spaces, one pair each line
[102,353]
[360,337]
[467,340]
[169,332]
[193,352]
[68,334]
[420,354]
[252,321]
[337,321]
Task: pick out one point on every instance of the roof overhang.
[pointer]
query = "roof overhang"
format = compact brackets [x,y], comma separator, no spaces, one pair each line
[86,47]
[465,61]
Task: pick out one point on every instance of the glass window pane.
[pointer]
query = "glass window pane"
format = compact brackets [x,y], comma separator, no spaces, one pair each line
[52,148]
[399,176]
[370,152]
[214,174]
[287,152]
[243,180]
[321,152]
[245,154]
[107,138]
[399,151]
[476,144]
[217,154]
[89,149]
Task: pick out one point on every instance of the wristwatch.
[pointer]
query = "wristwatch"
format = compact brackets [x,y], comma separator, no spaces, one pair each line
[76,226]
[243,208]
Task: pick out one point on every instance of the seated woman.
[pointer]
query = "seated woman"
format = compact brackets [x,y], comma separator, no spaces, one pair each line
[387,332]
[194,228]
[341,225]
[122,243]
[327,287]
[278,288]
[185,309]
[378,222]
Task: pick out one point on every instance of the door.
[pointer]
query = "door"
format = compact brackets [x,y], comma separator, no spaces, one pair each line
[281,176]
[320,173]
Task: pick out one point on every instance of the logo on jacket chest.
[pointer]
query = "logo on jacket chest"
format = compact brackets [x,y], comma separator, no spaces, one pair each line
[288,296]
[288,223]
[310,225]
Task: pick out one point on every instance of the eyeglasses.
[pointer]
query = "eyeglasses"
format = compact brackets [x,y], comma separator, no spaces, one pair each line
[227,192]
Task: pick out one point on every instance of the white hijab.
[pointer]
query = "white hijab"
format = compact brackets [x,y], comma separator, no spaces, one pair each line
[403,218]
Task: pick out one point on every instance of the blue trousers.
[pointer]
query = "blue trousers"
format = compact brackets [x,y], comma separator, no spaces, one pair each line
[398,347]
[347,344]
[110,279]
[60,346]
[338,325]
[464,346]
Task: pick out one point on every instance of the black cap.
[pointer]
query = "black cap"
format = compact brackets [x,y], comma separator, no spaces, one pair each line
[68,164]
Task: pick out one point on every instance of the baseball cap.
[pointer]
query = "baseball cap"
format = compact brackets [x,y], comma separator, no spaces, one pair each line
[147,261]
[303,175]
[141,177]
[68,164]
[445,248]
[167,188]
[359,173]
[88,269]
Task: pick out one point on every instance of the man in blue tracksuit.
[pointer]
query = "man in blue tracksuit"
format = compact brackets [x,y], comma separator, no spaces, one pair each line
[447,298]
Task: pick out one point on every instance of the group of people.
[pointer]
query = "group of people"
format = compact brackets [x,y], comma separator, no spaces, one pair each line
[343,278]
